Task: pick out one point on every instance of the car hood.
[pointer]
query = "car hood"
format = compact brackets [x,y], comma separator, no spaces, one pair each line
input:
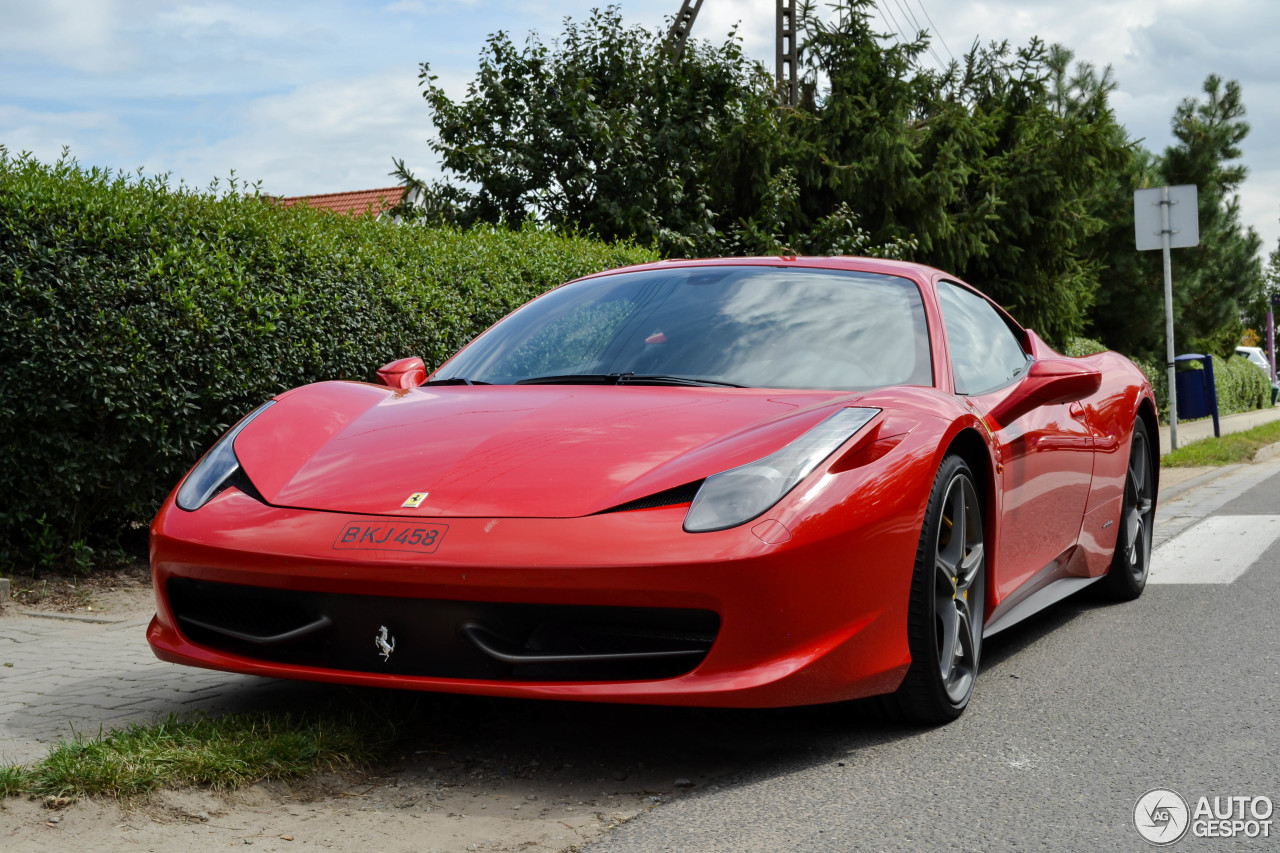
[548,451]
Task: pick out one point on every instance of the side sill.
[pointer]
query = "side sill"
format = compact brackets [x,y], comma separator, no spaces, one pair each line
[1037,601]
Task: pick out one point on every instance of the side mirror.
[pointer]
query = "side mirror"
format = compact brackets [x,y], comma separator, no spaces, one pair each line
[1050,381]
[405,373]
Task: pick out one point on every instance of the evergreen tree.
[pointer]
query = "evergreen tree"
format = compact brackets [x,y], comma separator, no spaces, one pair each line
[993,169]
[1223,275]
[1215,283]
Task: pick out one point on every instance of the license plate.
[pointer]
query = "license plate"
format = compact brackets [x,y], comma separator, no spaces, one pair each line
[420,537]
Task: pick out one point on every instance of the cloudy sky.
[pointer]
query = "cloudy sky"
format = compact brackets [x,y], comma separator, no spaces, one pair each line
[318,96]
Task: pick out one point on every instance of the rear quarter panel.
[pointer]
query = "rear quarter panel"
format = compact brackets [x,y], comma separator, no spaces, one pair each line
[1111,415]
[1112,412]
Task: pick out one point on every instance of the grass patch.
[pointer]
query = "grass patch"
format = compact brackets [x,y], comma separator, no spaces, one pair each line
[1229,450]
[211,752]
[13,780]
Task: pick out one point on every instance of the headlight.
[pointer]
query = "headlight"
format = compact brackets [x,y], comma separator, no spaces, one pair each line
[740,494]
[218,466]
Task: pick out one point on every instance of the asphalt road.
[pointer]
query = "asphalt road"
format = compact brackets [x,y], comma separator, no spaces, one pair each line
[1076,715]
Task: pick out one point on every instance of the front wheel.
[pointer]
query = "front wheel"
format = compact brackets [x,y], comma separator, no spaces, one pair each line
[1127,576]
[948,597]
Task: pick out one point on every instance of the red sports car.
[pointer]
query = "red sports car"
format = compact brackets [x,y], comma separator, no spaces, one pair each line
[748,482]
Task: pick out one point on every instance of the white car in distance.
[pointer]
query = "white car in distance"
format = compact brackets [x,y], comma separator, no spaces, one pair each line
[1257,356]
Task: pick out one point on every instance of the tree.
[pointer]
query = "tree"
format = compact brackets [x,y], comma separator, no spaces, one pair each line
[1215,283]
[1225,274]
[993,168]
[608,135]
[1051,145]
[1008,168]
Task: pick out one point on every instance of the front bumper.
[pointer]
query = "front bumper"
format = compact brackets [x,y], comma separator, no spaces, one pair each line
[820,617]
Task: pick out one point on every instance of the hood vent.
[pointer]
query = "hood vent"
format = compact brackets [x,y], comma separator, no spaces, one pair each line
[671,497]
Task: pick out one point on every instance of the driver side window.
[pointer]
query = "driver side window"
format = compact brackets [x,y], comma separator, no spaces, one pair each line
[985,353]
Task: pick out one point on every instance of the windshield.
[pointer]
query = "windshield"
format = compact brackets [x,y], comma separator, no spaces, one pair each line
[754,326]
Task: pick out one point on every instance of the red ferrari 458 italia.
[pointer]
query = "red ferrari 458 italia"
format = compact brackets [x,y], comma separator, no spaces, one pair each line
[743,482]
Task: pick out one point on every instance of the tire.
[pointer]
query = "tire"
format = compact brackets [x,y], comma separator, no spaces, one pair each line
[1131,561]
[948,602]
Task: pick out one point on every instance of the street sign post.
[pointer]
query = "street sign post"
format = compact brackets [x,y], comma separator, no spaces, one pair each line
[1167,218]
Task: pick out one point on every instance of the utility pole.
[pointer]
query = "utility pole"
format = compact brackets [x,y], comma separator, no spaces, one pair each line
[679,32]
[787,53]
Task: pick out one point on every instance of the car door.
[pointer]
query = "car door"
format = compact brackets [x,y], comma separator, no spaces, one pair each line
[1045,456]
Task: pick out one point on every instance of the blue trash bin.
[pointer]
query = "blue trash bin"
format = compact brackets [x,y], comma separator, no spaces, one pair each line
[1197,395]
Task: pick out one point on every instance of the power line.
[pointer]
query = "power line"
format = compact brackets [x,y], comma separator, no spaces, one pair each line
[886,13]
[935,29]
[906,10]
[908,15]
[888,17]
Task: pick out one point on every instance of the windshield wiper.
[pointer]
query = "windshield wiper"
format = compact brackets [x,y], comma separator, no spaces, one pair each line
[624,379]
[456,380]
[573,379]
[666,379]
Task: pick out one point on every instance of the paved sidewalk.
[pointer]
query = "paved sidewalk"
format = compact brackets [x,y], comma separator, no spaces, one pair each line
[1189,431]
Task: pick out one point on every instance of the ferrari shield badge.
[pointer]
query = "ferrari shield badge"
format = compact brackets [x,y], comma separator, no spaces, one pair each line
[415,499]
[385,643]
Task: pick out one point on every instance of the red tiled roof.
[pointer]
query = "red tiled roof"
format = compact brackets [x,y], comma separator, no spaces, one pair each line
[355,203]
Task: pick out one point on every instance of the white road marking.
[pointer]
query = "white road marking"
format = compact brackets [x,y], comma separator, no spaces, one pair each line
[1217,550]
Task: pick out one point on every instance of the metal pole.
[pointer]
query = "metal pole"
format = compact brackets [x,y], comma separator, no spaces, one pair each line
[1271,341]
[1168,316]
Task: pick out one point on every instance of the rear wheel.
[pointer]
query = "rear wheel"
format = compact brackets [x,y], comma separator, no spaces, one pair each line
[948,597]
[1127,576]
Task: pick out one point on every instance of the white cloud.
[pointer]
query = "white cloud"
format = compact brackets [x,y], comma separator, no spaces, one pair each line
[197,19]
[1260,206]
[83,36]
[422,7]
[93,136]
[411,7]
[321,137]
[756,22]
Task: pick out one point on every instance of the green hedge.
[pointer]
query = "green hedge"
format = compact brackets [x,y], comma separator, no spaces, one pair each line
[1240,385]
[139,320]
[1077,347]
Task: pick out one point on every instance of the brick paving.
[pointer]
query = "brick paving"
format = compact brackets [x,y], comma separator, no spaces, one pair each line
[60,677]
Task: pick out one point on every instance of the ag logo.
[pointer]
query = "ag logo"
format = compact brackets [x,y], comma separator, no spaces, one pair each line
[415,500]
[1161,816]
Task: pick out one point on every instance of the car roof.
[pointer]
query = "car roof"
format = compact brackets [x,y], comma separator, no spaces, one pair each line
[906,269]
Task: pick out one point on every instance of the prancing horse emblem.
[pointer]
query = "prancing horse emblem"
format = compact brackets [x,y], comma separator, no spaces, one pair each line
[385,643]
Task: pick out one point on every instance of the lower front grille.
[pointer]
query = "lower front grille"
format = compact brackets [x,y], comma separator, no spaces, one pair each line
[443,639]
